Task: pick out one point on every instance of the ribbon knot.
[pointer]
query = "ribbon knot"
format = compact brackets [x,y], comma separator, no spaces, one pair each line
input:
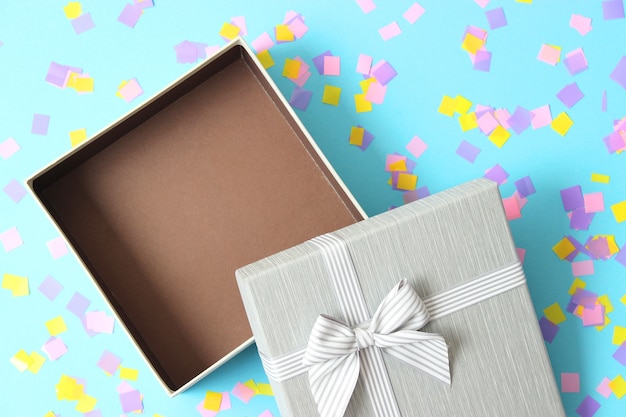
[332,353]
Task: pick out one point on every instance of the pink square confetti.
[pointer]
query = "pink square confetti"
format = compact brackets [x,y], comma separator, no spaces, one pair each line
[549,54]
[521,254]
[364,64]
[414,12]
[8,148]
[11,239]
[580,23]
[204,412]
[225,405]
[99,322]
[511,208]
[376,93]
[502,115]
[131,90]
[594,202]
[109,362]
[298,28]
[541,117]
[57,247]
[366,5]
[332,65]
[582,268]
[242,392]
[487,123]
[240,22]
[593,316]
[54,348]
[266,413]
[123,387]
[392,159]
[604,389]
[390,31]
[570,382]
[263,42]
[416,146]
[482,3]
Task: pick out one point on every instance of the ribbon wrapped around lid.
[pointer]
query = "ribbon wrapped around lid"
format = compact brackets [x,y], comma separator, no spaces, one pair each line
[342,351]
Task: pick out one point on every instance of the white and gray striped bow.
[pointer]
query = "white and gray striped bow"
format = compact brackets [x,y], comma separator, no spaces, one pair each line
[332,354]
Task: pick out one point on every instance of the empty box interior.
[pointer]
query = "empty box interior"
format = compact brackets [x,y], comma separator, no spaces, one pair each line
[164,205]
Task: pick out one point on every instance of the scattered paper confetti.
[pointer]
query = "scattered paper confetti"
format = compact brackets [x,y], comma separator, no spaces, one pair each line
[83,23]
[332,65]
[580,23]
[266,59]
[78,304]
[99,322]
[613,9]
[243,392]
[72,10]
[11,239]
[562,124]
[54,348]
[129,374]
[575,61]
[56,326]
[188,52]
[550,54]
[130,15]
[496,18]
[413,13]
[366,5]
[570,95]
[129,90]
[57,247]
[15,191]
[50,288]
[300,98]
[331,95]
[109,362]
[8,148]
[548,329]
[390,31]
[570,382]
[262,43]
[619,72]
[40,124]
[468,151]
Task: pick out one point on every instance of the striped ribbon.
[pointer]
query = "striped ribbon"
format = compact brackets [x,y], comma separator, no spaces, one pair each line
[340,352]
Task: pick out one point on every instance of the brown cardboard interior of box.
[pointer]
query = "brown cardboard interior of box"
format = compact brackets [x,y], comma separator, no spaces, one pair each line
[163,208]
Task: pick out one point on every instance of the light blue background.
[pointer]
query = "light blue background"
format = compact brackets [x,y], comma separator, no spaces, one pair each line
[430,64]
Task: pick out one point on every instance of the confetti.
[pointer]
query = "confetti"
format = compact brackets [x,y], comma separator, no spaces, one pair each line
[550,54]
[78,136]
[130,15]
[56,326]
[99,322]
[364,64]
[72,10]
[83,23]
[390,31]
[266,59]
[109,362]
[11,239]
[618,386]
[468,151]
[54,348]
[57,247]
[580,23]
[283,34]
[262,43]
[242,392]
[78,304]
[570,95]
[300,98]
[366,5]
[619,72]
[188,52]
[331,95]
[8,148]
[332,65]
[15,191]
[570,382]
[619,211]
[413,13]
[361,104]
[562,124]
[40,124]
[548,329]
[496,18]
[129,90]
[576,62]
[229,31]
[128,374]
[613,9]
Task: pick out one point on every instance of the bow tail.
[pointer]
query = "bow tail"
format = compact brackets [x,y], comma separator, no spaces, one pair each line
[430,356]
[333,382]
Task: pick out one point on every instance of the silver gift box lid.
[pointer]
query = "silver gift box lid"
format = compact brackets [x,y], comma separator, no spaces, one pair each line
[498,360]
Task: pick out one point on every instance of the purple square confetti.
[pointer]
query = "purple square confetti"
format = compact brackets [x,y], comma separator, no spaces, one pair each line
[614,142]
[619,72]
[497,174]
[588,407]
[131,401]
[620,354]
[188,52]
[520,120]
[15,190]
[300,98]
[584,297]
[410,196]
[318,61]
[525,187]
[93,413]
[548,329]
[384,72]
[82,23]
[40,124]
[57,74]
[621,256]
[576,62]
[572,198]
[368,138]
[482,61]
[496,18]
[78,304]
[580,220]
[570,95]
[109,362]
[468,151]
[50,288]
[130,15]
[599,248]
[613,9]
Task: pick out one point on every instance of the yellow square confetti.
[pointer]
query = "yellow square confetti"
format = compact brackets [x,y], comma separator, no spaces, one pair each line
[69,389]
[252,385]
[468,121]
[71,81]
[229,31]
[524,1]
[122,84]
[618,386]
[562,123]
[619,211]
[129,374]
[78,136]
[606,302]
[399,165]
[84,84]
[212,401]
[447,106]
[266,59]
[16,284]
[365,84]
[284,34]
[72,10]
[462,105]
[56,326]
[499,136]
[361,104]
[356,135]
[578,283]
[554,313]
[578,311]
[86,403]
[601,178]
[564,248]
[50,414]
[472,43]
[623,299]
[21,360]
[37,363]
[619,335]
[331,95]
[291,68]
[407,182]
[265,389]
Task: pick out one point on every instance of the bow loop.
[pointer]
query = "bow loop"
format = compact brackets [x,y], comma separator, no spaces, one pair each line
[401,309]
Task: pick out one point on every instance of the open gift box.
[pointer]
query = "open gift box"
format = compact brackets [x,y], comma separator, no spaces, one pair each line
[419,311]
[163,205]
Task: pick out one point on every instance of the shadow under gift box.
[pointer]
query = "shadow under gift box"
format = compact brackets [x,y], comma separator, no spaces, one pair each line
[162,207]
[498,361]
